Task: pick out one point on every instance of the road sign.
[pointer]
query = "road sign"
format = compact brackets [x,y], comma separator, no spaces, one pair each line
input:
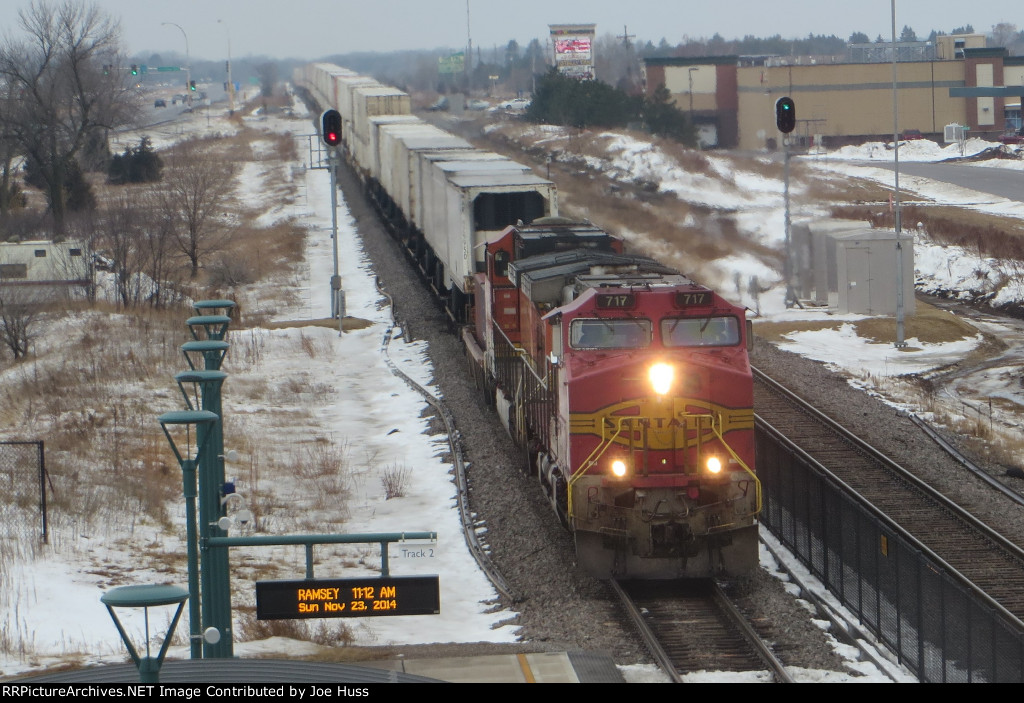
[456,63]
[169,68]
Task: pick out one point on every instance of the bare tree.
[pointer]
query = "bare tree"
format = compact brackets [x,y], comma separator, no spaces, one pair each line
[157,239]
[9,189]
[1004,34]
[122,240]
[267,73]
[196,186]
[20,309]
[69,88]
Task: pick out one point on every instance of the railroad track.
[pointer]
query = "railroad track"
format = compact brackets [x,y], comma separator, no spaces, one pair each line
[692,626]
[979,554]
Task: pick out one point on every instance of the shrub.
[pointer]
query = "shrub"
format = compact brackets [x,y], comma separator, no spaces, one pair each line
[394,480]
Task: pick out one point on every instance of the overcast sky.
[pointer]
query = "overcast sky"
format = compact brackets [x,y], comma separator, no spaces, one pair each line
[311,29]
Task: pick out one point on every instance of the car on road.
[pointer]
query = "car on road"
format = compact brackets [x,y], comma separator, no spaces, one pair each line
[159,102]
[515,104]
[476,104]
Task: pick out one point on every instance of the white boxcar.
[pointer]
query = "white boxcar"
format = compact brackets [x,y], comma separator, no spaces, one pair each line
[423,166]
[465,208]
[372,101]
[366,154]
[345,86]
[400,150]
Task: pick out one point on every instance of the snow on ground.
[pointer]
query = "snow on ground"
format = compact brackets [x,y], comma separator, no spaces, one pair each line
[354,376]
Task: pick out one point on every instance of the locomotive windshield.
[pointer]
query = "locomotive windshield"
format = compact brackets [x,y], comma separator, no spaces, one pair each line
[610,334]
[700,331]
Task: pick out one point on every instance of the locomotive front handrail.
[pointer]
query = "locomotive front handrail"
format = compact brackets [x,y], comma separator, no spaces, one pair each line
[621,422]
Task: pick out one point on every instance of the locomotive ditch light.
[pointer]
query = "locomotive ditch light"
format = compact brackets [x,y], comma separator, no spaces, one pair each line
[661,377]
[714,465]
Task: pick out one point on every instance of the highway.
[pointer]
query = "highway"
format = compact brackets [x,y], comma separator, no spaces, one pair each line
[1004,182]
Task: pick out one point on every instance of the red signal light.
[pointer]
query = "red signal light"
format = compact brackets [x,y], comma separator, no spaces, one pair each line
[330,127]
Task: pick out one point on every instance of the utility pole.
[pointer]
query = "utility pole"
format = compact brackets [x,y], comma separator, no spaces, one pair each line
[897,225]
[469,53]
[625,37]
[231,85]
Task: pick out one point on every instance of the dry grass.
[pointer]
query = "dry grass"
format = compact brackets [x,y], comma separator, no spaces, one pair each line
[100,376]
[929,324]
[980,233]
[327,633]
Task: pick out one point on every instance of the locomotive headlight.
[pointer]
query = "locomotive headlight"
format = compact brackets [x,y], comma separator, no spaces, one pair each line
[714,465]
[618,468]
[661,376]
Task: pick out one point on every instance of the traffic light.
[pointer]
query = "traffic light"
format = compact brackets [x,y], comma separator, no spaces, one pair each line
[135,70]
[330,123]
[106,69]
[785,115]
[191,85]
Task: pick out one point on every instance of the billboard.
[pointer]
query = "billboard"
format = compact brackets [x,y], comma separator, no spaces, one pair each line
[456,63]
[572,45]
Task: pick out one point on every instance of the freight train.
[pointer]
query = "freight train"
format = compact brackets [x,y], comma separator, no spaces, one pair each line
[627,384]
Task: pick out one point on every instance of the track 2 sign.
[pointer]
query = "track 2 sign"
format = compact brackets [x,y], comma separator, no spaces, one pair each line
[348,598]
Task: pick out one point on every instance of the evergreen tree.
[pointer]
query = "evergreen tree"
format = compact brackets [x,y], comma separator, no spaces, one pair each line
[573,103]
[664,119]
[136,165]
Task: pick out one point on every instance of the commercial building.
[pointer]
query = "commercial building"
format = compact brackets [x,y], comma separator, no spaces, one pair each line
[732,98]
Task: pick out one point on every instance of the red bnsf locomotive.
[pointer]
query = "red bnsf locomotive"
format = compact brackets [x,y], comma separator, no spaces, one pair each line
[630,387]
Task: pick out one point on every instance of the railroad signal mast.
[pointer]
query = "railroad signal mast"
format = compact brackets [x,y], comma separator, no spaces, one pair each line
[330,132]
[785,120]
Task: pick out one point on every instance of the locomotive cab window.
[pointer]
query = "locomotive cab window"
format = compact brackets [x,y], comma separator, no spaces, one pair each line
[700,331]
[610,334]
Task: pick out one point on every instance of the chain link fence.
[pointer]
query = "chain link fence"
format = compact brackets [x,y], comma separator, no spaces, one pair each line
[24,481]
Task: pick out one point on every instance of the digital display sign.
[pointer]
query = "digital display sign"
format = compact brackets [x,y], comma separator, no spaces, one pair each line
[348,598]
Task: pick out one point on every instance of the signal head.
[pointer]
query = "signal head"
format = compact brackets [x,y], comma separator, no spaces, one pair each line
[785,115]
[330,127]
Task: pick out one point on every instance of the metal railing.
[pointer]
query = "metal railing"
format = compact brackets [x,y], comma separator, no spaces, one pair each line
[940,626]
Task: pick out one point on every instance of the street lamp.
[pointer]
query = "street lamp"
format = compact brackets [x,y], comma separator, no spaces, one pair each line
[231,86]
[188,62]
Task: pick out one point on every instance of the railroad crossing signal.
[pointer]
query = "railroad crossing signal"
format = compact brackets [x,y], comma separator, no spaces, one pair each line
[785,115]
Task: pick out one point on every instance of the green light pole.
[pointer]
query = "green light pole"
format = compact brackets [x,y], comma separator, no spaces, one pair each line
[209,327]
[202,420]
[145,597]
